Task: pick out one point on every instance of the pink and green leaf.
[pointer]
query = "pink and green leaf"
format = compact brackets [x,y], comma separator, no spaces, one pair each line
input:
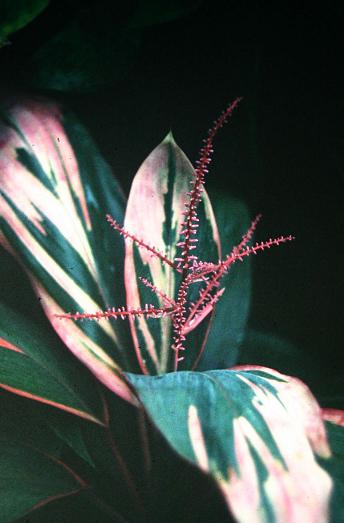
[255,431]
[334,421]
[335,416]
[154,215]
[55,192]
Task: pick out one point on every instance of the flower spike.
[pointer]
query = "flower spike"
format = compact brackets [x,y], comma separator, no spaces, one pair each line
[248,235]
[139,242]
[158,292]
[149,311]
[191,221]
[186,316]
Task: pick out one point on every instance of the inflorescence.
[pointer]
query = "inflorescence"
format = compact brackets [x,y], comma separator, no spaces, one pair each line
[185,317]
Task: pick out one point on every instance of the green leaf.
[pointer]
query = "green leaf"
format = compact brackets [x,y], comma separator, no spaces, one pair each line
[50,431]
[35,364]
[16,14]
[72,434]
[90,52]
[24,426]
[152,12]
[269,350]
[114,461]
[154,214]
[254,430]
[231,312]
[25,422]
[172,479]
[55,190]
[93,442]
[31,478]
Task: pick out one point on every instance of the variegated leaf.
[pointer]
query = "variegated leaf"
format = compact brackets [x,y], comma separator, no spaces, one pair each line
[256,431]
[335,416]
[154,214]
[335,465]
[55,192]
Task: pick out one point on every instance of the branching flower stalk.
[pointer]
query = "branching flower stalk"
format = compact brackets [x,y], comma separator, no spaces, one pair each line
[187,316]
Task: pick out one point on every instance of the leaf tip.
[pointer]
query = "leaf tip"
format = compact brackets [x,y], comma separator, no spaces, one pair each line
[169,138]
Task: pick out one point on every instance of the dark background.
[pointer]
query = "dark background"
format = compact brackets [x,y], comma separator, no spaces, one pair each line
[282,153]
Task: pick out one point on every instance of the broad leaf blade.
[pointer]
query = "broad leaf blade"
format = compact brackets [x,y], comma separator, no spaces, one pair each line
[25,422]
[34,364]
[255,431]
[154,214]
[231,312]
[52,218]
[269,350]
[30,479]
[335,467]
[93,50]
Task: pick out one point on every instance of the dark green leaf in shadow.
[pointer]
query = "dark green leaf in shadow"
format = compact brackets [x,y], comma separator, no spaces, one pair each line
[16,14]
[88,441]
[24,422]
[81,507]
[231,312]
[84,57]
[35,364]
[152,12]
[112,454]
[81,445]
[269,350]
[172,478]
[72,434]
[31,478]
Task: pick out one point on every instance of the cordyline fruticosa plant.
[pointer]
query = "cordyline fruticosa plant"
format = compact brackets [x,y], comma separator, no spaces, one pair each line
[256,434]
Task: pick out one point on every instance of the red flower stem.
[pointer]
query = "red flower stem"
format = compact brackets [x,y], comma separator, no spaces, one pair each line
[204,295]
[190,224]
[248,235]
[149,311]
[179,320]
[158,292]
[201,310]
[229,260]
[140,242]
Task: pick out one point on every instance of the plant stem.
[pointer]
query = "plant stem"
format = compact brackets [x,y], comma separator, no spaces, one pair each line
[147,460]
[132,488]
